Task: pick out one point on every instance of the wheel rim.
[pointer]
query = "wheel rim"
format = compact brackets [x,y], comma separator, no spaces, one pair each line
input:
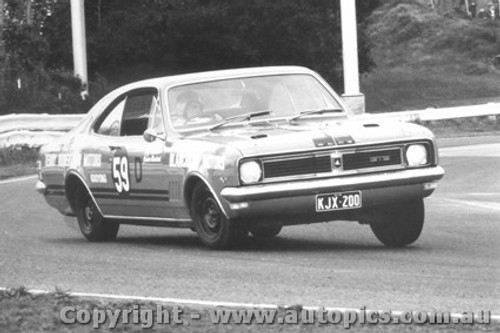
[89,212]
[211,217]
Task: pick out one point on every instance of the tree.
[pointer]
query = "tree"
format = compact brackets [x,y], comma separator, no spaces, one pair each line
[30,84]
[129,40]
[2,50]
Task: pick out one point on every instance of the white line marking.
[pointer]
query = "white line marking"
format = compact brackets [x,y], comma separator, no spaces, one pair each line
[491,205]
[156,299]
[17,179]
[479,150]
[186,302]
[486,194]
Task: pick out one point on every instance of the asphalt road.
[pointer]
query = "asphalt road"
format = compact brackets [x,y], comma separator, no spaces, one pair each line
[455,265]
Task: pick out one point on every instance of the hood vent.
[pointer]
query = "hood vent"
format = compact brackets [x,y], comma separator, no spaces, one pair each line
[259,136]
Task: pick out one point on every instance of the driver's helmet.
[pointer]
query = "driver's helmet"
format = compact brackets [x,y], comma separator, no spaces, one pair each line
[188,105]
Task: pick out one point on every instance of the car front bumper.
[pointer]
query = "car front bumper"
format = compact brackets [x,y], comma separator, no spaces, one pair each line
[297,199]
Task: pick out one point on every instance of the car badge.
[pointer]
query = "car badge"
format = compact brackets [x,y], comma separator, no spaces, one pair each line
[336,161]
[380,159]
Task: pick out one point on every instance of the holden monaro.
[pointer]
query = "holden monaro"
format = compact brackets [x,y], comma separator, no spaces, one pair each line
[238,152]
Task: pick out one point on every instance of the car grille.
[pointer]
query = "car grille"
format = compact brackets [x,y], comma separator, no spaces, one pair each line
[371,159]
[317,164]
[298,166]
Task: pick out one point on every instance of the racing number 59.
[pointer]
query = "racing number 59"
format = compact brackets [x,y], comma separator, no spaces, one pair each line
[120,174]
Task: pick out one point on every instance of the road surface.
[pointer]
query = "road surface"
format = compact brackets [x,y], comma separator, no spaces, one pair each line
[454,266]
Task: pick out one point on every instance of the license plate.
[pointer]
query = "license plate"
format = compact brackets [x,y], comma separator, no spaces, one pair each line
[338,201]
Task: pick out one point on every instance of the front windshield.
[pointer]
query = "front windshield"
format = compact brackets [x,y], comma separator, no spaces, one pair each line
[210,103]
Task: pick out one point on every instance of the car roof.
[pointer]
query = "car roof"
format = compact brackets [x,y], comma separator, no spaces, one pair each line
[218,74]
[180,79]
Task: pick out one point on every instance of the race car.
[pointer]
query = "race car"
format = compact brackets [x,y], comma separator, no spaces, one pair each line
[234,153]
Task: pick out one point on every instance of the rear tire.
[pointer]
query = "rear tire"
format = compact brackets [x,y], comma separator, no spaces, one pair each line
[267,231]
[213,228]
[91,222]
[399,225]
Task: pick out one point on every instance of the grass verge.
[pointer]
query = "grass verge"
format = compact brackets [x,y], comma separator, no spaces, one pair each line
[17,161]
[425,58]
[464,127]
[413,88]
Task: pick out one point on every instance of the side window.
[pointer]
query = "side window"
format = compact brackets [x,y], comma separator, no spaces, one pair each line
[111,124]
[156,119]
[136,113]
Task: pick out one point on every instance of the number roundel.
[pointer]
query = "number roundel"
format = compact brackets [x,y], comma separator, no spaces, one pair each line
[120,173]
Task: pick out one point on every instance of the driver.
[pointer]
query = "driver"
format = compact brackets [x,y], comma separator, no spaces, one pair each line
[189,109]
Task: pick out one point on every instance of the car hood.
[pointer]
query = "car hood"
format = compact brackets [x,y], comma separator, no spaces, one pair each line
[277,138]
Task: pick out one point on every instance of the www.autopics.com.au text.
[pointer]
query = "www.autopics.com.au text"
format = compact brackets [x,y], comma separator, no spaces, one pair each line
[175,315]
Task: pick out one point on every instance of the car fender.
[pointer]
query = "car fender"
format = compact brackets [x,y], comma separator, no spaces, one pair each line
[70,195]
[190,178]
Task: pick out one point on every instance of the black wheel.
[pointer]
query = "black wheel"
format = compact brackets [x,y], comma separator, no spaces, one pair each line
[212,226]
[265,231]
[399,225]
[91,223]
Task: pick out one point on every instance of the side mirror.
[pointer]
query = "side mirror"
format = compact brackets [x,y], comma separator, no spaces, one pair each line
[151,135]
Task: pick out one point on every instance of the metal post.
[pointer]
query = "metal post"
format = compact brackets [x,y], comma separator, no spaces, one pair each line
[2,50]
[2,46]
[79,43]
[352,94]
[29,14]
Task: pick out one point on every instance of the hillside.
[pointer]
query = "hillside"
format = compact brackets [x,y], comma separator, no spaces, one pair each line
[425,58]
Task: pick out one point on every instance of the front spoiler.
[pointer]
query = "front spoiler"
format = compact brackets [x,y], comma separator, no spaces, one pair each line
[317,186]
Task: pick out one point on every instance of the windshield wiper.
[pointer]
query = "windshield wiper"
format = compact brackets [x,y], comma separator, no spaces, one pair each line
[241,117]
[313,112]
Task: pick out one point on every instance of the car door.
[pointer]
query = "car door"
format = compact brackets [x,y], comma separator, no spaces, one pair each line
[131,181]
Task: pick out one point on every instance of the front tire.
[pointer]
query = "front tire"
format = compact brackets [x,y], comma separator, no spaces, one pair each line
[212,226]
[399,225]
[92,224]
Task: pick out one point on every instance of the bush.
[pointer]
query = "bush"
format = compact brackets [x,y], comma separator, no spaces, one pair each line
[18,155]
[58,92]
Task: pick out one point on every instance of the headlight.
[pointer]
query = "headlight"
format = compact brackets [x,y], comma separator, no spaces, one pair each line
[416,155]
[250,172]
